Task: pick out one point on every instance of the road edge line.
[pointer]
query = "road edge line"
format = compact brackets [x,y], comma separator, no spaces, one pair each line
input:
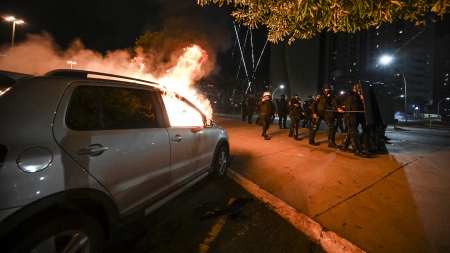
[328,240]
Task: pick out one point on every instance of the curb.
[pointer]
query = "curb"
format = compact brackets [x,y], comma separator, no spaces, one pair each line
[399,128]
[328,240]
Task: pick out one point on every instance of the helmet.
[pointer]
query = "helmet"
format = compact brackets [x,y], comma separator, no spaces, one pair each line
[327,86]
[266,93]
[356,88]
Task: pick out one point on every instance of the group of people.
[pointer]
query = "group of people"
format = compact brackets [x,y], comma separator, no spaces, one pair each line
[345,112]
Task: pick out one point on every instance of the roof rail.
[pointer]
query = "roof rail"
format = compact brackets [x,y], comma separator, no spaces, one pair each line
[13,76]
[85,73]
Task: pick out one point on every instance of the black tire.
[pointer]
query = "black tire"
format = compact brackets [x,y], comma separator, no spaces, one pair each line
[220,163]
[65,233]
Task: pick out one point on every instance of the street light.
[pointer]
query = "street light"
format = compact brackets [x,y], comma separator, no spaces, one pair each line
[417,108]
[15,21]
[273,93]
[386,60]
[71,63]
[439,113]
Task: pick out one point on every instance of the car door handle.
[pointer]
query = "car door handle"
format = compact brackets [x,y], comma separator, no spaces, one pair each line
[177,138]
[93,150]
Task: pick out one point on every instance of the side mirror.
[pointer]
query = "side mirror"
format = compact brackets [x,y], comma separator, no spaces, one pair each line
[209,123]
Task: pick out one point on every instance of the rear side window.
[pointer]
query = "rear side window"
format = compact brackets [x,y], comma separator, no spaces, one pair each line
[5,84]
[96,108]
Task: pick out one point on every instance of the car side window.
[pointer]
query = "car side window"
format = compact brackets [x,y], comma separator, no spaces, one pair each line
[180,113]
[96,108]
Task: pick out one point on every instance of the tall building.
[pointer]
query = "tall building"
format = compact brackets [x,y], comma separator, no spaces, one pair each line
[442,68]
[345,56]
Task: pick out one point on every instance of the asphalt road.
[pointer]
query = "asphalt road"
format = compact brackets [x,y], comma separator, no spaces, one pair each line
[180,225]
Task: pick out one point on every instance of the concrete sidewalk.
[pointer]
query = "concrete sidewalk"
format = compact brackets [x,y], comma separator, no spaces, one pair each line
[394,202]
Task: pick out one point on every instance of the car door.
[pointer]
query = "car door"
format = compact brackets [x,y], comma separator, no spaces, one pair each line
[114,133]
[192,147]
[193,154]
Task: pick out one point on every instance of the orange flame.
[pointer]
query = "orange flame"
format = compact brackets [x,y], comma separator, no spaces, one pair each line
[179,79]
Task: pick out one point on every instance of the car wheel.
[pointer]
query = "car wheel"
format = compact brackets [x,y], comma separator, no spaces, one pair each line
[220,163]
[63,234]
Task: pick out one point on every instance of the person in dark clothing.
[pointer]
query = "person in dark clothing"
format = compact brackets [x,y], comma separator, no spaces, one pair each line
[322,108]
[282,106]
[244,109]
[258,118]
[295,114]
[248,108]
[265,113]
[274,111]
[340,123]
[352,101]
[307,121]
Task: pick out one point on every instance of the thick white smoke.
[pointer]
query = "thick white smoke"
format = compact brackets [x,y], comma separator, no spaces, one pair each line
[40,54]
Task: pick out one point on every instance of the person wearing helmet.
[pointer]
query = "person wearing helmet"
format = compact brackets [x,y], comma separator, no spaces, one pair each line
[265,113]
[282,106]
[307,121]
[352,101]
[322,108]
[295,114]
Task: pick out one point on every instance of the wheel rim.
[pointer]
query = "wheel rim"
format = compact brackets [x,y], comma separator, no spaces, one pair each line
[68,241]
[222,162]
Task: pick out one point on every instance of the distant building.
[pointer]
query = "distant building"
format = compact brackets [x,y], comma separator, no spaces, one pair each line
[442,68]
[297,66]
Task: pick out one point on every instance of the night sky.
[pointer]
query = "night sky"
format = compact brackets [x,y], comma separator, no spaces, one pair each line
[101,25]
[116,24]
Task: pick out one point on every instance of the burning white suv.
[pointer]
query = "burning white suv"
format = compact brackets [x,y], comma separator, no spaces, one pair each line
[80,156]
